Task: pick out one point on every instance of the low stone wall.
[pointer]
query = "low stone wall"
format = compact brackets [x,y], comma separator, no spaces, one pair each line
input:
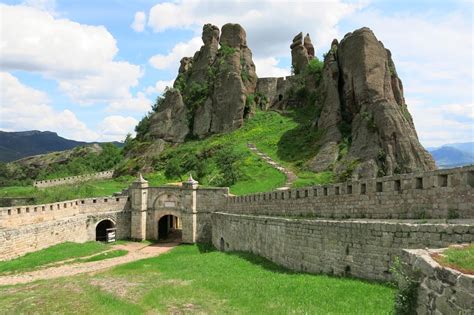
[442,290]
[363,249]
[73,179]
[445,193]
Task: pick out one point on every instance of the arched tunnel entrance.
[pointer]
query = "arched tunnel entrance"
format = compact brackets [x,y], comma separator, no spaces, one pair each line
[101,230]
[169,228]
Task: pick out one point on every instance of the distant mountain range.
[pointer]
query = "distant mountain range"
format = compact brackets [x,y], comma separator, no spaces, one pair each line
[17,145]
[453,154]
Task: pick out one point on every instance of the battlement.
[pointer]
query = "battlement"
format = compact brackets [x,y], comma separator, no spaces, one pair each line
[73,179]
[446,193]
[23,215]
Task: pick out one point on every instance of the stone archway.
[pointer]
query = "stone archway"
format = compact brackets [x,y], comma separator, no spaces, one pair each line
[101,229]
[169,228]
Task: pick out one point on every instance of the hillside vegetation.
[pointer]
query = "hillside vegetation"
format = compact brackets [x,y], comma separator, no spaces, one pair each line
[220,160]
[225,160]
[77,161]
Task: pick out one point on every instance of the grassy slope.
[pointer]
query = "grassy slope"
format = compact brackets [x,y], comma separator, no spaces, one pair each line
[461,259]
[190,280]
[50,255]
[284,138]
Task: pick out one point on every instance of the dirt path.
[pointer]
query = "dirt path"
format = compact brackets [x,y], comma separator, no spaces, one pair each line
[136,251]
[290,176]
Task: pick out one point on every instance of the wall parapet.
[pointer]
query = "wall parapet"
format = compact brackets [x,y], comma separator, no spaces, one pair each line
[22,215]
[73,179]
[446,193]
[442,290]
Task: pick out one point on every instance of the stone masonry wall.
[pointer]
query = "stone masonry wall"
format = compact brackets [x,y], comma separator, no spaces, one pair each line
[20,240]
[72,179]
[445,193]
[11,217]
[30,228]
[363,249]
[442,290]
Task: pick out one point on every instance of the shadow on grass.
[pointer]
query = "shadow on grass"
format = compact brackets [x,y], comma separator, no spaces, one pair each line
[205,248]
[300,143]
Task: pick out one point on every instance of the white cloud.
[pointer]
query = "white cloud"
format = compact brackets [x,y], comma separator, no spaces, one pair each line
[140,103]
[268,67]
[139,21]
[80,57]
[44,5]
[25,108]
[266,37]
[115,128]
[438,125]
[180,50]
[159,87]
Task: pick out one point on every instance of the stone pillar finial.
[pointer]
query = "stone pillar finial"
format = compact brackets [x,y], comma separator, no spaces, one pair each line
[190,182]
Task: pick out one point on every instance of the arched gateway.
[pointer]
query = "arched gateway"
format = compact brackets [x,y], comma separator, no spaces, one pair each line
[102,228]
[171,212]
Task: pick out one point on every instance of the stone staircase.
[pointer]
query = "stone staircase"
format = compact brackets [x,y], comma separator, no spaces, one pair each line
[290,176]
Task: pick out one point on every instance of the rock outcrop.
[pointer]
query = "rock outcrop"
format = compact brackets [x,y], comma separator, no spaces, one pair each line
[210,93]
[302,51]
[363,111]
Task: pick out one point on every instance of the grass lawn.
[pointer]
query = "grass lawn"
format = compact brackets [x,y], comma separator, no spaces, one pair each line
[461,259]
[193,279]
[50,255]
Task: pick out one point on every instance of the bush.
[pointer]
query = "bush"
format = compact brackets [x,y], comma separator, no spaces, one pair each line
[407,283]
[315,69]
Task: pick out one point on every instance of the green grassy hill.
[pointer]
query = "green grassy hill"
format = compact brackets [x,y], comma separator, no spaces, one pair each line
[220,160]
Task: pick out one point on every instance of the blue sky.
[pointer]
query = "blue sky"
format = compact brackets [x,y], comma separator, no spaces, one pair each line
[89,70]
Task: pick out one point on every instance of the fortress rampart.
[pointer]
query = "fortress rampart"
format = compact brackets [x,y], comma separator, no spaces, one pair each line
[355,228]
[446,193]
[360,248]
[73,179]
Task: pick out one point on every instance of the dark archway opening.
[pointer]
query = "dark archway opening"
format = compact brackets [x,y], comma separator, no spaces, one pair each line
[280,97]
[222,245]
[169,229]
[101,230]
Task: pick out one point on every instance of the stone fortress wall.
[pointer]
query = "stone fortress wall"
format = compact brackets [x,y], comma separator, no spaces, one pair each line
[355,228]
[442,290]
[73,179]
[446,193]
[29,228]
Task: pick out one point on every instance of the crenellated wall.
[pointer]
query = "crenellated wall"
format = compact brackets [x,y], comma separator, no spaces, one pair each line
[11,217]
[73,179]
[446,193]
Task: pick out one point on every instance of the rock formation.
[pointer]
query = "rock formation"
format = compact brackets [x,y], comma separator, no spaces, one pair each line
[302,51]
[210,92]
[363,109]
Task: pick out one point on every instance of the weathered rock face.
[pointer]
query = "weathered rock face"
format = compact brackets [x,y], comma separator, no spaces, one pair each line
[302,51]
[211,89]
[363,106]
[170,123]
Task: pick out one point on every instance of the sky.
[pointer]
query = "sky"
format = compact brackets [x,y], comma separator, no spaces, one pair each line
[90,70]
